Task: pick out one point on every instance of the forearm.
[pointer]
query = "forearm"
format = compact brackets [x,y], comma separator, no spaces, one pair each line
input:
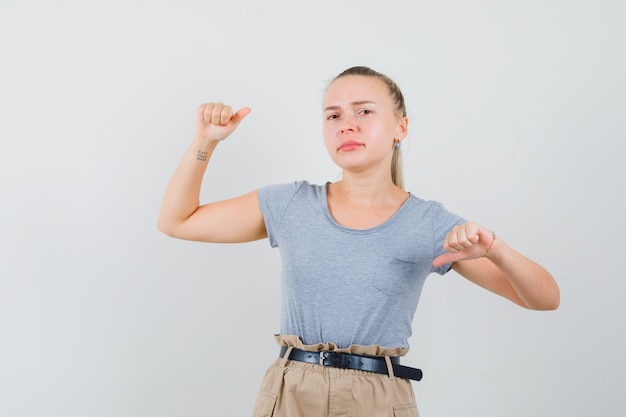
[182,195]
[532,283]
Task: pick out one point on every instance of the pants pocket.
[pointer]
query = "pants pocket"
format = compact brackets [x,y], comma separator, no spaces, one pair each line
[406,410]
[264,404]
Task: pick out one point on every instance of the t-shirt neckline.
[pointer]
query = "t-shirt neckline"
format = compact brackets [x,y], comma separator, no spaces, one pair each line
[384,224]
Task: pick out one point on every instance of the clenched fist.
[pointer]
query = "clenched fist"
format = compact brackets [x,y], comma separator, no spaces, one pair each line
[466,241]
[215,121]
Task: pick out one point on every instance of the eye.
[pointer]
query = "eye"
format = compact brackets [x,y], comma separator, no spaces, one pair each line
[365,111]
[332,116]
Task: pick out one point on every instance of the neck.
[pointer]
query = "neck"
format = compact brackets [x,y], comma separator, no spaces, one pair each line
[361,203]
[366,189]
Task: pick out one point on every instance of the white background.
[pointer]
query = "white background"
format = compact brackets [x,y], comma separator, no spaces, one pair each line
[517,120]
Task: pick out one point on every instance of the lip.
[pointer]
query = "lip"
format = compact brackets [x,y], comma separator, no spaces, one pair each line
[349,145]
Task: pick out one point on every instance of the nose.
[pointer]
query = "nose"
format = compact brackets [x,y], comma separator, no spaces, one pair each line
[348,125]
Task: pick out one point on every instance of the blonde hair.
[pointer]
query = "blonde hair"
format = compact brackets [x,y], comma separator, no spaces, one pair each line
[396,161]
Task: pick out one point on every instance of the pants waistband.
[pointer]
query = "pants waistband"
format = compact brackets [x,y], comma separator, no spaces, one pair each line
[376,364]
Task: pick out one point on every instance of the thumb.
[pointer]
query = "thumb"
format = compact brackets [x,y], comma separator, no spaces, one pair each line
[446,258]
[239,116]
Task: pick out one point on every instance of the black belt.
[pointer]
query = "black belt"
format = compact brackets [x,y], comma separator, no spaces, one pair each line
[375,364]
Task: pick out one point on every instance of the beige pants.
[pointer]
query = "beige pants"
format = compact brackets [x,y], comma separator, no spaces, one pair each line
[299,389]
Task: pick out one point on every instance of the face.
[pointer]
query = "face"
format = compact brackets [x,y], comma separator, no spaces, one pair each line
[361,123]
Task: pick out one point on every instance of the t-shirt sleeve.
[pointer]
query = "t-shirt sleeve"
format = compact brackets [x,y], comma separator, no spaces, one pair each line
[443,222]
[274,201]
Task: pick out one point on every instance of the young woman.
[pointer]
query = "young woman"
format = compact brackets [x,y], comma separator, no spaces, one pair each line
[355,254]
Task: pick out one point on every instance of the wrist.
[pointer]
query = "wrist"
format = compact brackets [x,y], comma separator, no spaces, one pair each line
[201,150]
[493,246]
[205,144]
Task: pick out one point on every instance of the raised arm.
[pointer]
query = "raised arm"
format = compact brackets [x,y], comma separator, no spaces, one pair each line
[229,221]
[489,262]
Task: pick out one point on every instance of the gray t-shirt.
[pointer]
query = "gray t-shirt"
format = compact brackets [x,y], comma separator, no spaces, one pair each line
[350,286]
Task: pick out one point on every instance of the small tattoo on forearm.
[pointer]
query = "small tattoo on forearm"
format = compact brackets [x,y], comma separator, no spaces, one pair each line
[202,155]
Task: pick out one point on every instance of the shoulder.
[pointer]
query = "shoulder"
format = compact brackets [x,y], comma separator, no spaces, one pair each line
[289,188]
[423,204]
[435,210]
[280,196]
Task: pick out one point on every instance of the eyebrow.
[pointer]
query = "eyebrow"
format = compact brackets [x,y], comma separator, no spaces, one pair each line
[354,103]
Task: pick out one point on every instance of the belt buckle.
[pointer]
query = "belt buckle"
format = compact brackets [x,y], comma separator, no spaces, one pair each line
[334,359]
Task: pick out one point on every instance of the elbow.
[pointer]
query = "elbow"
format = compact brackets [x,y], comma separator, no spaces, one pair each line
[169,224]
[163,229]
[550,302]
[556,302]
[166,228]
[547,295]
[550,305]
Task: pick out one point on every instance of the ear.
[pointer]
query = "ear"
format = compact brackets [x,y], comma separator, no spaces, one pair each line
[403,128]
